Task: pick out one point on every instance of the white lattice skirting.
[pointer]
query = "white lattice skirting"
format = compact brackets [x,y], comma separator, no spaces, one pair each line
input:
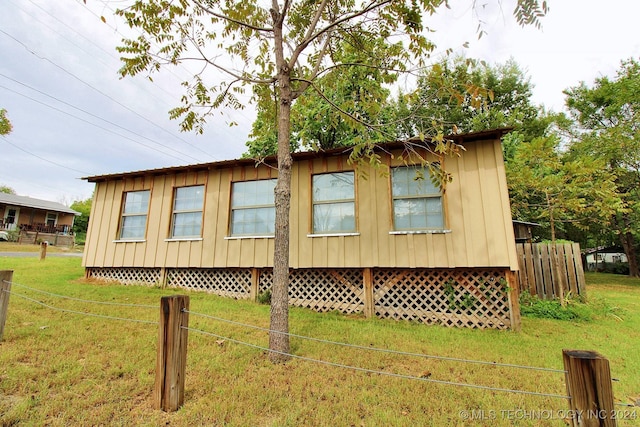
[473,297]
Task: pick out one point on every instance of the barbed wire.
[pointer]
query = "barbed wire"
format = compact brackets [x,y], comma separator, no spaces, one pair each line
[80,299]
[305,358]
[65,310]
[373,371]
[382,350]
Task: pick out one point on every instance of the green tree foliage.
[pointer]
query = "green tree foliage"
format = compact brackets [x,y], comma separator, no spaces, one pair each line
[467,95]
[5,124]
[607,127]
[7,190]
[549,187]
[347,106]
[81,223]
[288,47]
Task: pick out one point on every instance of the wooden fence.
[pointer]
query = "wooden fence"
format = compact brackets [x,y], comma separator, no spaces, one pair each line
[550,271]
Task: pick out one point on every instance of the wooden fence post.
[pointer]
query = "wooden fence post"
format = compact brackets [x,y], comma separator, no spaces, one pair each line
[6,276]
[514,300]
[43,250]
[369,300]
[255,284]
[588,379]
[172,353]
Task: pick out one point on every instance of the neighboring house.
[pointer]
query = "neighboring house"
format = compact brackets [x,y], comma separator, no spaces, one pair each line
[379,242]
[36,219]
[596,259]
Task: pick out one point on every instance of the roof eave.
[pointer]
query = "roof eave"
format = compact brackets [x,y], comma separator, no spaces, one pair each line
[272,160]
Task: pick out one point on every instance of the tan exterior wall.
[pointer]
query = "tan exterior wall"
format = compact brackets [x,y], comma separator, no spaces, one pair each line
[476,207]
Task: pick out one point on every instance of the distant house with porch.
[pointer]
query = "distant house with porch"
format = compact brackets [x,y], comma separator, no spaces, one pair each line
[597,259]
[36,219]
[382,242]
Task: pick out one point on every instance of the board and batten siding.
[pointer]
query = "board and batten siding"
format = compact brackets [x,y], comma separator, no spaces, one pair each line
[476,203]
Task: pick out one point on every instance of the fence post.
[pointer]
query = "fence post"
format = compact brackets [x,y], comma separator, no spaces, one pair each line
[6,276]
[172,353]
[369,301]
[255,284]
[514,300]
[588,379]
[43,250]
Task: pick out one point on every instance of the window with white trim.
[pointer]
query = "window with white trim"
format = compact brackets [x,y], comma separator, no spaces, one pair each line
[134,215]
[52,219]
[417,202]
[188,203]
[253,210]
[334,204]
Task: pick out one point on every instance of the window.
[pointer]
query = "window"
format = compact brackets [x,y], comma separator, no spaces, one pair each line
[134,215]
[334,207]
[187,212]
[52,219]
[417,202]
[253,211]
[11,215]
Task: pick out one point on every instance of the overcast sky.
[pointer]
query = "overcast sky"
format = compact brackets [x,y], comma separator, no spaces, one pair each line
[73,116]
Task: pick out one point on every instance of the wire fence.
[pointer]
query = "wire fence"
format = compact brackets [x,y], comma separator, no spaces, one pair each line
[228,338]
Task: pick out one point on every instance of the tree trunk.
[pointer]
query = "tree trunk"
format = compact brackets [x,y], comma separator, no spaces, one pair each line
[628,244]
[552,222]
[279,329]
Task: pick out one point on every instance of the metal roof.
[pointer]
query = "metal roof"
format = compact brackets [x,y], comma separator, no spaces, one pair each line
[271,160]
[29,202]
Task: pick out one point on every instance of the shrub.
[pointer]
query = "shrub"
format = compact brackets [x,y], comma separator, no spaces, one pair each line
[574,308]
[264,297]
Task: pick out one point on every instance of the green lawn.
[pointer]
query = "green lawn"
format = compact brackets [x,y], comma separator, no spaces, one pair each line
[69,368]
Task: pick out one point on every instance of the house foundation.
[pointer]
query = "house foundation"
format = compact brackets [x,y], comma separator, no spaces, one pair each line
[467,297]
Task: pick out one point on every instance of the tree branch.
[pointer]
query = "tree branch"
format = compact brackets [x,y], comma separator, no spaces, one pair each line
[370,126]
[235,21]
[309,39]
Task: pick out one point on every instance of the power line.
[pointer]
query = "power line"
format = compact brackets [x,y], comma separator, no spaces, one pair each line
[99,91]
[106,4]
[90,123]
[92,115]
[4,138]
[108,53]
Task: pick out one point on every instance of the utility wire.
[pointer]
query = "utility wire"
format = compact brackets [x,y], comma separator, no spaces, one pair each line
[108,53]
[90,114]
[5,139]
[180,64]
[426,356]
[97,90]
[93,124]
[373,371]
[64,310]
[80,299]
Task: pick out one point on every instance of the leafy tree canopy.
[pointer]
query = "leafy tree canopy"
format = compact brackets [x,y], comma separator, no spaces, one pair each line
[468,95]
[6,189]
[347,106]
[5,124]
[607,127]
[549,187]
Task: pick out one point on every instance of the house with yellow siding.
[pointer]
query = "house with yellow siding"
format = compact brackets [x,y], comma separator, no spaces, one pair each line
[382,241]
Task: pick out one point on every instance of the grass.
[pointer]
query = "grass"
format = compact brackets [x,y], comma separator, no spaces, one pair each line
[61,368]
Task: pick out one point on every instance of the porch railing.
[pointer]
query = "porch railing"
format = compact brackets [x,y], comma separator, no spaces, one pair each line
[36,227]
